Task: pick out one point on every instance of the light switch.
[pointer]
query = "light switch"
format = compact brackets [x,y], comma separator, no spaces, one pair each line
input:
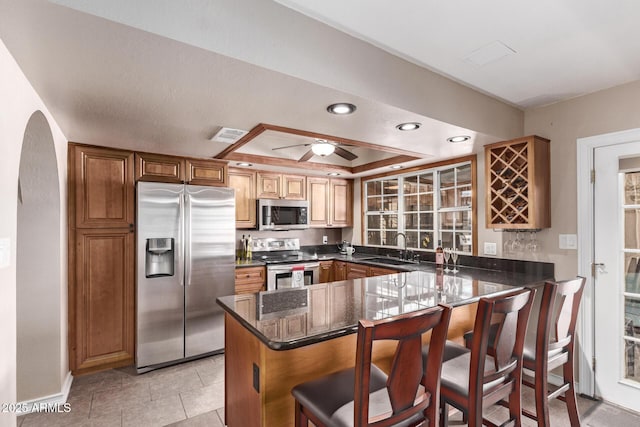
[568,241]
[5,252]
[490,248]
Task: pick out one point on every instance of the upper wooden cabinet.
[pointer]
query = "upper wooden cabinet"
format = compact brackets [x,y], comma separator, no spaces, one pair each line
[281,186]
[206,172]
[101,187]
[174,169]
[244,182]
[159,168]
[518,184]
[330,202]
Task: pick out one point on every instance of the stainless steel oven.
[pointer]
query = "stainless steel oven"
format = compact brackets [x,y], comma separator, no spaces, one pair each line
[283,276]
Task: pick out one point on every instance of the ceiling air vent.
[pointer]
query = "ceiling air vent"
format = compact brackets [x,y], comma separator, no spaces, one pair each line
[228,135]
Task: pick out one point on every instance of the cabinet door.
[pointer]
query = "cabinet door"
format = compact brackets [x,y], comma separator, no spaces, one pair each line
[294,187]
[102,299]
[268,185]
[339,270]
[206,172]
[318,316]
[101,180]
[158,168]
[341,203]
[326,271]
[357,271]
[244,182]
[318,192]
[294,326]
[250,279]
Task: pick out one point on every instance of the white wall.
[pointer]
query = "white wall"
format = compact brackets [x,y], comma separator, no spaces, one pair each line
[18,101]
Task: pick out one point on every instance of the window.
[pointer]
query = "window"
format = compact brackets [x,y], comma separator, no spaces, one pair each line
[427,206]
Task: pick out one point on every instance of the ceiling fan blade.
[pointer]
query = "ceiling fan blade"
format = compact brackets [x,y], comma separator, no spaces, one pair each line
[291,146]
[309,154]
[345,154]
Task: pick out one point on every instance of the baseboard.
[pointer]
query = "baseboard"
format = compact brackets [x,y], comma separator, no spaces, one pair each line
[53,403]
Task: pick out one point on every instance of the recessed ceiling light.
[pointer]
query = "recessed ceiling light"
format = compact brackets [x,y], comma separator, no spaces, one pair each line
[395,166]
[459,138]
[244,164]
[333,174]
[341,108]
[408,126]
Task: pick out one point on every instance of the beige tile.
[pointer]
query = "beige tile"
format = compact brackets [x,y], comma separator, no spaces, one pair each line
[208,419]
[174,383]
[211,373]
[156,413]
[105,403]
[71,420]
[203,400]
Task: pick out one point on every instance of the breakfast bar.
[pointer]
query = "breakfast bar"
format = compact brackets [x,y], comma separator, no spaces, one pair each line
[277,339]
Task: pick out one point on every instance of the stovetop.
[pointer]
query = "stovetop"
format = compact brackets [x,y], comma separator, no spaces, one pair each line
[283,257]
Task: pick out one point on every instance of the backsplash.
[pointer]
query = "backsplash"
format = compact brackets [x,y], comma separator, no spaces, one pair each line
[308,237]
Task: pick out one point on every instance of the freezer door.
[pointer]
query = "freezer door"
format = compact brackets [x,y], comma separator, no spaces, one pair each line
[209,265]
[160,273]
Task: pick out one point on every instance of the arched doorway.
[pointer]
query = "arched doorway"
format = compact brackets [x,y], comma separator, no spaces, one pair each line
[38,295]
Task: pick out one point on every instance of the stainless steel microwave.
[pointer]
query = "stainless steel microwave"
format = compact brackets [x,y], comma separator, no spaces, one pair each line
[278,214]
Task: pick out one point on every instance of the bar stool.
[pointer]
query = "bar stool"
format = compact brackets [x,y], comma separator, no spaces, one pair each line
[365,395]
[476,378]
[553,347]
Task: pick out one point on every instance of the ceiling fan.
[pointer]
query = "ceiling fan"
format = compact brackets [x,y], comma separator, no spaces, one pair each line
[323,148]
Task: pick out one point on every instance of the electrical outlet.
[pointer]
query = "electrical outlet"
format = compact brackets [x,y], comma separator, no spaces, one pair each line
[490,248]
[325,240]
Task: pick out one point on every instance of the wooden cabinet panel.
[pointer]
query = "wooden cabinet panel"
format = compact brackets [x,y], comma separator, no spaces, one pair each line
[357,271]
[159,168]
[103,298]
[380,271]
[318,316]
[101,185]
[340,307]
[268,185]
[341,203]
[279,186]
[250,279]
[517,174]
[294,187]
[206,172]
[318,193]
[294,326]
[244,182]
[326,272]
[339,270]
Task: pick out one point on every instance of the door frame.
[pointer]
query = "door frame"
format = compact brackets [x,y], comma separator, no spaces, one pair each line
[585,218]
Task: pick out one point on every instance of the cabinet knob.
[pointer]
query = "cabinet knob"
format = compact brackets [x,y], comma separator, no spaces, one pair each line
[247,276]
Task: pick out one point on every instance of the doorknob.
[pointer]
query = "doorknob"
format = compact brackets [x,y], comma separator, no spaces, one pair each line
[597,266]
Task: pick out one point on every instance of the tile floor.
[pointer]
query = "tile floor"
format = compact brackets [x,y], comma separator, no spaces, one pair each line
[192,395]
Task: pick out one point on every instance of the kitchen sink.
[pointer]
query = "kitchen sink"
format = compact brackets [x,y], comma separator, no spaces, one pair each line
[391,261]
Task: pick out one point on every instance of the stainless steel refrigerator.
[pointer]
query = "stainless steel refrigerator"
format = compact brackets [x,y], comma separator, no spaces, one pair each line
[186,256]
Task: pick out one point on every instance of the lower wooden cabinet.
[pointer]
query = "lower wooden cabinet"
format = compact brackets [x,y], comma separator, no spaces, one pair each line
[102,300]
[326,272]
[250,280]
[339,270]
[380,271]
[357,271]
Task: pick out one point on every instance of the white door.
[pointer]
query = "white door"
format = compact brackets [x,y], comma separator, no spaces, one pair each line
[617,281]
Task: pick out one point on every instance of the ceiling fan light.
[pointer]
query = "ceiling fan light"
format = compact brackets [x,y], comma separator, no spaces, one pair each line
[341,108]
[408,126]
[323,149]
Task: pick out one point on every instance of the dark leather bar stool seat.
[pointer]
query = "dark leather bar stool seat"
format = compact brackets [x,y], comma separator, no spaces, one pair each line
[365,395]
[553,346]
[476,378]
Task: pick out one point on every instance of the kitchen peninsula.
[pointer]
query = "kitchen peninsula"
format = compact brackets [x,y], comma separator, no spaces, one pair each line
[277,339]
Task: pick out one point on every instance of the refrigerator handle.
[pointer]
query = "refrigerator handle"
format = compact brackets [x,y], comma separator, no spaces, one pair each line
[180,248]
[187,240]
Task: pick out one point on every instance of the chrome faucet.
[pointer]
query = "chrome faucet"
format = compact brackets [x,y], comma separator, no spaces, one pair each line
[405,242]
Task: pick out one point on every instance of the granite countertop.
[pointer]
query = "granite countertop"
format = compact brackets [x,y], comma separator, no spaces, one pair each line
[342,304]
